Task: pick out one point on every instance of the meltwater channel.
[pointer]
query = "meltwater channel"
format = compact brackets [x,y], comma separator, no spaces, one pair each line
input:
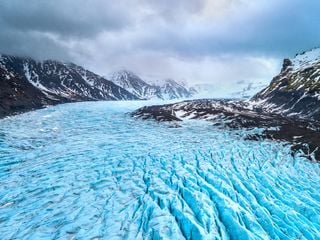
[91,171]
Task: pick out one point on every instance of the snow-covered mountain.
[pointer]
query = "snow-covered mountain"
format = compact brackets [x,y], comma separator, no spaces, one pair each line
[135,85]
[296,90]
[27,84]
[168,89]
[174,90]
[57,79]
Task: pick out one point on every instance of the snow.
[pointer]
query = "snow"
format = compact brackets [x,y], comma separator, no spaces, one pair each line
[179,113]
[33,78]
[84,76]
[305,60]
[90,171]
[2,65]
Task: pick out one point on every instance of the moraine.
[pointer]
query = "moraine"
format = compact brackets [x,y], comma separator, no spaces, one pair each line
[90,171]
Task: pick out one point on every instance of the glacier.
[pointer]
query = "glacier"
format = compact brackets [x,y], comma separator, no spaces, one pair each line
[90,171]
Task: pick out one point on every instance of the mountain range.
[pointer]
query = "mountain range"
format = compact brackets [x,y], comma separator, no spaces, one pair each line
[27,84]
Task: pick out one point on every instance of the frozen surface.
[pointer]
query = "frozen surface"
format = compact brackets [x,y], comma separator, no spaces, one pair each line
[90,171]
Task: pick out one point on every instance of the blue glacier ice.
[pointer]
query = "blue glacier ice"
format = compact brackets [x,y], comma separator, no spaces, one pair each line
[90,171]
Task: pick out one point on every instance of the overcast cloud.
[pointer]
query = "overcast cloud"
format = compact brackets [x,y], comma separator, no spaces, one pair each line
[200,41]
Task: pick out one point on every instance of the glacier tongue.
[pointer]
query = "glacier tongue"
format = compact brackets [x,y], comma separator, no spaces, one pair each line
[88,170]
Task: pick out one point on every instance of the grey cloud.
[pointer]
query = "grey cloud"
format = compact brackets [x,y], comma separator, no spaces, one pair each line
[31,44]
[177,10]
[161,37]
[66,18]
[281,28]
[48,29]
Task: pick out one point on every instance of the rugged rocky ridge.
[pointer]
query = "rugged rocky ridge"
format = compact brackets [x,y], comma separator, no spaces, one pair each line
[28,84]
[169,89]
[296,90]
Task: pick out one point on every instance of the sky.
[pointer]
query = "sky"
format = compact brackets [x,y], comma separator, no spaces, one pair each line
[217,42]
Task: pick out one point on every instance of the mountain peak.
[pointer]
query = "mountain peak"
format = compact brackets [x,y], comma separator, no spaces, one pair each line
[167,89]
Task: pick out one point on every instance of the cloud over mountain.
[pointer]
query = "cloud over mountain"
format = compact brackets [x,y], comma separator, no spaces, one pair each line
[191,40]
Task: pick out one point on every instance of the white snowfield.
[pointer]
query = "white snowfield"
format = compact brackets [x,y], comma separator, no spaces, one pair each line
[90,171]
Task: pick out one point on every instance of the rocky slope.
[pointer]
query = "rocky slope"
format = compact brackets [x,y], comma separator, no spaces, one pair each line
[27,84]
[296,90]
[18,95]
[167,90]
[287,110]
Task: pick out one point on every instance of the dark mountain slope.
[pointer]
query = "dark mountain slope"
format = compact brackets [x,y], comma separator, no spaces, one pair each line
[28,84]
[17,95]
[296,90]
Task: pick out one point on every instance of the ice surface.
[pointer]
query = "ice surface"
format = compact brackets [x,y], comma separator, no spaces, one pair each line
[90,171]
